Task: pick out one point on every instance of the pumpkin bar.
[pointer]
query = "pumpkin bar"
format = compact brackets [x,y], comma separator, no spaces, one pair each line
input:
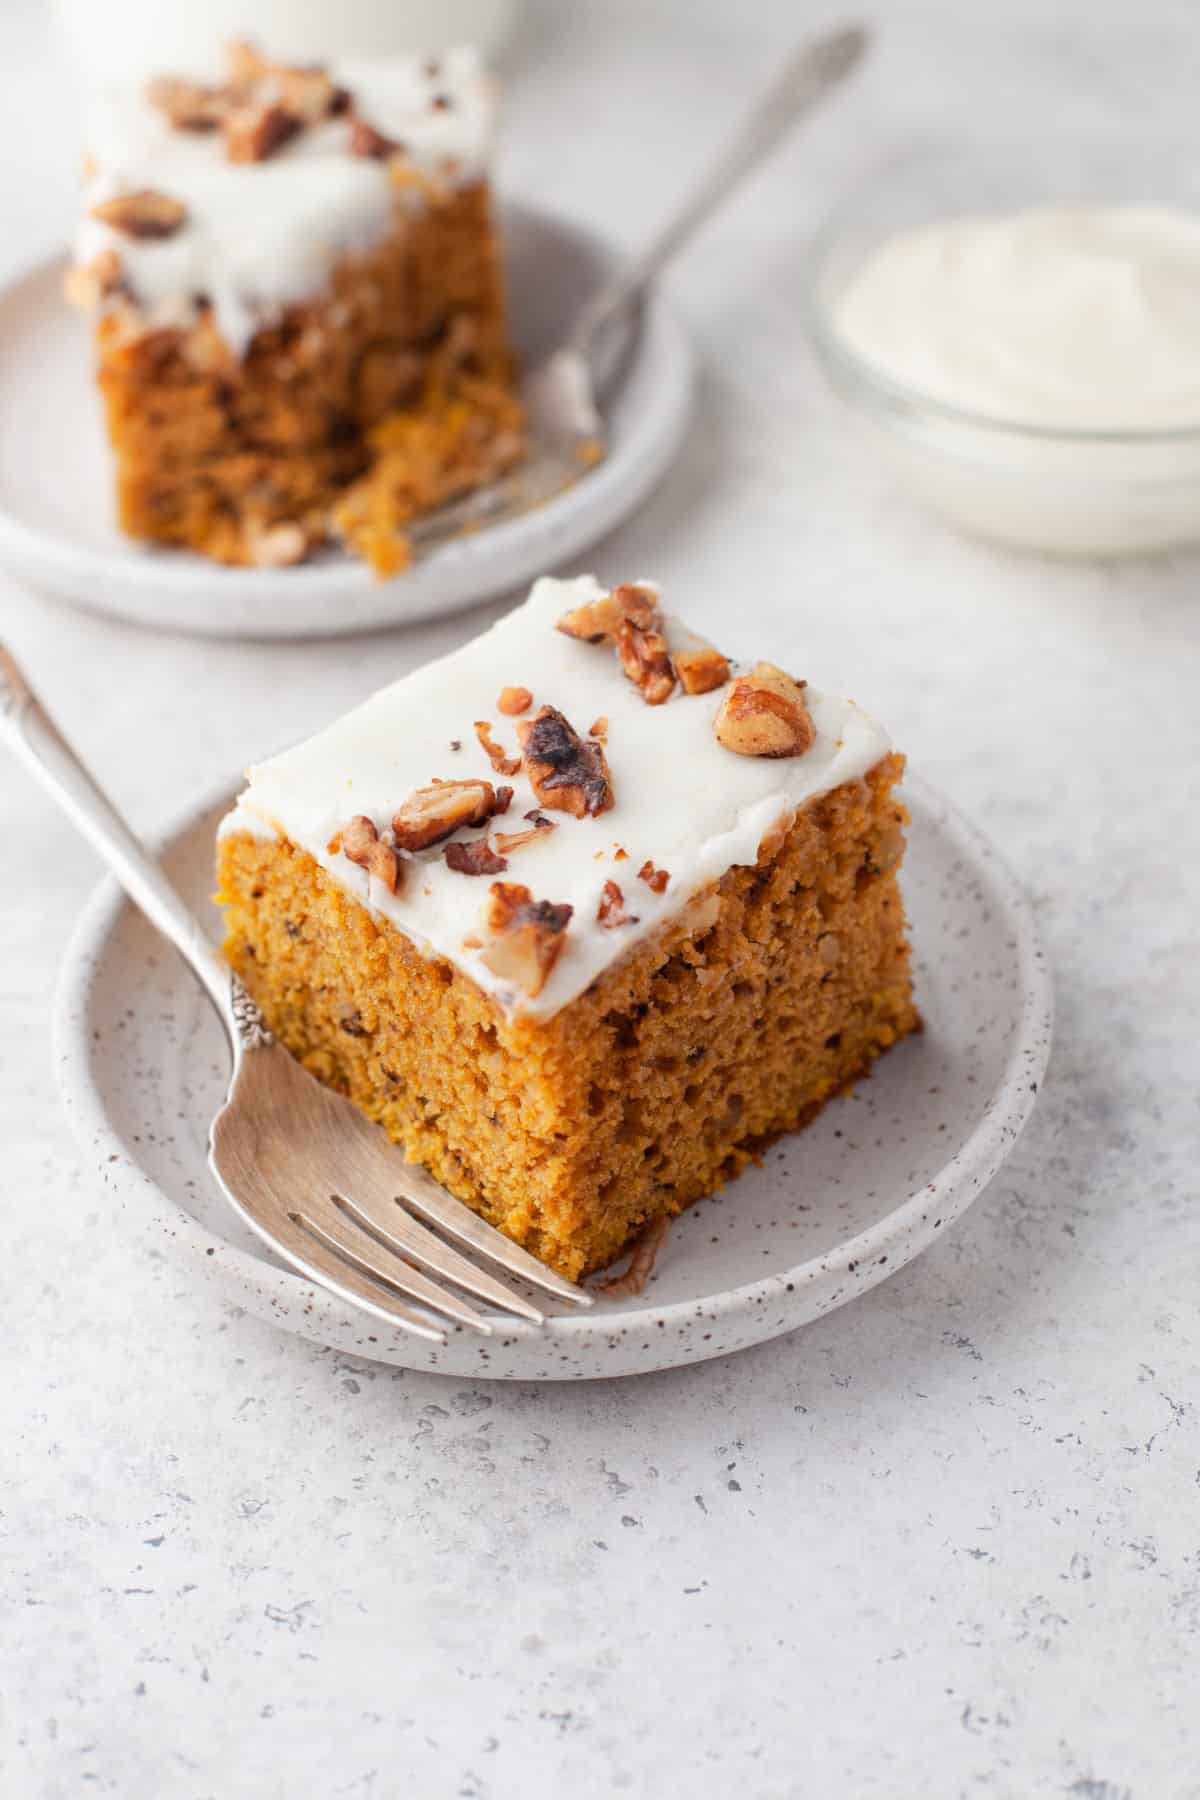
[296,285]
[581,914]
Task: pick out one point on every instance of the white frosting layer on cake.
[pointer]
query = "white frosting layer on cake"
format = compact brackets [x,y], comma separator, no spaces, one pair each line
[681,800]
[260,236]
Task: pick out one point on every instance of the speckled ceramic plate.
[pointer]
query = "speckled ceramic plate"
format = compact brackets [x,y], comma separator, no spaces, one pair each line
[828,1213]
[57,531]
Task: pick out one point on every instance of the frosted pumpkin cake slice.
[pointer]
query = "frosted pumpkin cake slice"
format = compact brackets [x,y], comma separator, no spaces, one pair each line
[296,286]
[581,914]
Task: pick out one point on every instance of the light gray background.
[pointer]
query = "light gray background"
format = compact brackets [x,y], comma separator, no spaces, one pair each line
[945,1542]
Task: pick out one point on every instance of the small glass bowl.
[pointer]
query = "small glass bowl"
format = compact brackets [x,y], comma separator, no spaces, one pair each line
[1066,492]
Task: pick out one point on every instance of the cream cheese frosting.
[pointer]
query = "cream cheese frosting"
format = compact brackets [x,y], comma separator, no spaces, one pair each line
[681,800]
[260,236]
[1082,318]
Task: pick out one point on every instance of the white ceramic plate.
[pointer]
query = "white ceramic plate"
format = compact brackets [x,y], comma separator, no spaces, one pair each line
[828,1213]
[56,524]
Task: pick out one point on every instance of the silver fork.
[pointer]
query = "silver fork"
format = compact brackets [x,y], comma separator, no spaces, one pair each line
[560,392]
[298,1163]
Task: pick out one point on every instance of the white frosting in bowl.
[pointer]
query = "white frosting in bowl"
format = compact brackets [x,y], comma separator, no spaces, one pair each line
[261,236]
[1067,318]
[681,800]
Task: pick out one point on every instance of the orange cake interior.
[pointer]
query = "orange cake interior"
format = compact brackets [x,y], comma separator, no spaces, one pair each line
[572,1092]
[351,375]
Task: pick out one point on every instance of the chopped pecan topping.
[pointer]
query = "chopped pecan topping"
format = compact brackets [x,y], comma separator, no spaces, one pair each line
[245,62]
[475,857]
[366,141]
[525,936]
[600,729]
[432,813]
[305,89]
[503,764]
[362,844]
[189,105]
[514,700]
[655,879]
[257,131]
[259,107]
[517,840]
[567,773]
[145,214]
[643,654]
[700,671]
[635,602]
[764,714]
[87,284]
[611,911]
[307,94]
[599,619]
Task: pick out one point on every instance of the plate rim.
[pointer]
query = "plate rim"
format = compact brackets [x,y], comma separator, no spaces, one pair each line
[960,1179]
[86,576]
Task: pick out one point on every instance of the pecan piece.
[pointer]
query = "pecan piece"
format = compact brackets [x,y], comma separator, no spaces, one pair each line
[643,654]
[245,62]
[599,619]
[514,700]
[611,911]
[362,844]
[189,105]
[567,773]
[475,857]
[764,714]
[305,90]
[502,763]
[366,141]
[517,840]
[655,879]
[307,94]
[525,936]
[432,813]
[700,671]
[256,131]
[144,214]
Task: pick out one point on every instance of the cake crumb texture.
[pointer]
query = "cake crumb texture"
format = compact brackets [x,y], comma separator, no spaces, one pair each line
[399,373]
[765,995]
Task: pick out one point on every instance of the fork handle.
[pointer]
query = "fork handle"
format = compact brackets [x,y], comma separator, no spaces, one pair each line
[28,728]
[805,79]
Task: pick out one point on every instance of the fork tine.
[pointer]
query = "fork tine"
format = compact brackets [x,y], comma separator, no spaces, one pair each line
[426,1199]
[405,1237]
[507,497]
[364,1253]
[309,1255]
